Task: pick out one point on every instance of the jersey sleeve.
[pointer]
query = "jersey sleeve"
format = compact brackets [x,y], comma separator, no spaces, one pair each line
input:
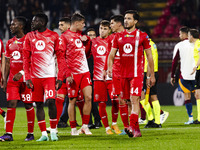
[109,49]
[88,45]
[115,43]
[7,54]
[146,42]
[60,59]
[198,46]
[27,58]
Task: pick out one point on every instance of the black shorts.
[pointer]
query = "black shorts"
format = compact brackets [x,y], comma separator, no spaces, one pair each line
[153,89]
[197,80]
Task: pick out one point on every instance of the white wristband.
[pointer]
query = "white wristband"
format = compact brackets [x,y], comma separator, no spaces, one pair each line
[148,77]
[22,72]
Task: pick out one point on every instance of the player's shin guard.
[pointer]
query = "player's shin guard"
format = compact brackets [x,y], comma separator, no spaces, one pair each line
[103,114]
[59,107]
[115,109]
[31,119]
[156,109]
[147,108]
[42,125]
[134,121]
[198,109]
[124,114]
[11,112]
[80,104]
[86,119]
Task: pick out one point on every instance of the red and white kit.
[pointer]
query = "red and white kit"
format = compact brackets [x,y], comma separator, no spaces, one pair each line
[76,62]
[39,62]
[131,46]
[1,52]
[16,90]
[100,49]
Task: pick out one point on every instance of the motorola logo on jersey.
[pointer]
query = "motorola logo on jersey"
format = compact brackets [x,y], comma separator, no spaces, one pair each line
[78,43]
[40,45]
[16,55]
[128,48]
[101,50]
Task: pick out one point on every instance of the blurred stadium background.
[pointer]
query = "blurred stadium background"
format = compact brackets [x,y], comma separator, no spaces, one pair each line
[162,18]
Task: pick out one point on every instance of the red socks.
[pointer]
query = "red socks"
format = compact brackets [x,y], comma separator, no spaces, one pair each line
[59,107]
[103,113]
[11,112]
[31,119]
[115,109]
[134,121]
[53,123]
[72,124]
[42,125]
[86,119]
[124,114]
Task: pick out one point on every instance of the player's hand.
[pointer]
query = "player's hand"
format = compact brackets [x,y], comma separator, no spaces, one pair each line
[148,84]
[194,69]
[172,81]
[29,84]
[4,85]
[152,80]
[58,84]
[104,75]
[84,38]
[70,79]
[17,77]
[110,72]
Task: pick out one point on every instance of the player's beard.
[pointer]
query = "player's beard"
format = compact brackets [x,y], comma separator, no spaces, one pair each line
[128,27]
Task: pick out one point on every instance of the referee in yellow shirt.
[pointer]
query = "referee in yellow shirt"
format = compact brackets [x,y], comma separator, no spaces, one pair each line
[193,37]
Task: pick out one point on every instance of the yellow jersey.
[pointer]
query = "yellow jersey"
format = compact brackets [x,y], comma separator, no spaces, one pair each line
[155,57]
[196,52]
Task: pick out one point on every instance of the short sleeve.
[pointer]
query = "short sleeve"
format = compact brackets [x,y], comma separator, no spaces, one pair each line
[146,42]
[115,42]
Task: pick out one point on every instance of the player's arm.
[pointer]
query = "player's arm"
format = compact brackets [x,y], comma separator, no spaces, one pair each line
[151,66]
[27,62]
[176,58]
[6,73]
[111,58]
[197,64]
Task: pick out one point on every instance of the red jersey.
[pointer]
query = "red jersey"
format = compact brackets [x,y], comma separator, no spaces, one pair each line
[100,49]
[116,64]
[1,49]
[39,55]
[74,49]
[14,48]
[131,46]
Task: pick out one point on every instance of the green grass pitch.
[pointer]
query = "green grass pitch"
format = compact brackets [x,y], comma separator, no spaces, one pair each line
[174,135]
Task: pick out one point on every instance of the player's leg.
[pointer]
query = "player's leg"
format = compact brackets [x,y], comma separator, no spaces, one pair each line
[86,88]
[115,107]
[13,96]
[80,103]
[64,116]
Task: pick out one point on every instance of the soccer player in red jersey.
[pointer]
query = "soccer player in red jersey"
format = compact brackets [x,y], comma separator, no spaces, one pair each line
[100,47]
[2,64]
[117,25]
[78,76]
[16,86]
[131,43]
[39,51]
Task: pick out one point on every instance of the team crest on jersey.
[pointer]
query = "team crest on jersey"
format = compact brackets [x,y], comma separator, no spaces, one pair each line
[40,45]
[16,55]
[101,50]
[78,43]
[128,48]
[96,96]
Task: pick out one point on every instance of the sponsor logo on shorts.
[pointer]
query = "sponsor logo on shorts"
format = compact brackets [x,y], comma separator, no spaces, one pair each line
[96,96]
[40,45]
[73,92]
[16,55]
[101,50]
[78,43]
[127,48]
